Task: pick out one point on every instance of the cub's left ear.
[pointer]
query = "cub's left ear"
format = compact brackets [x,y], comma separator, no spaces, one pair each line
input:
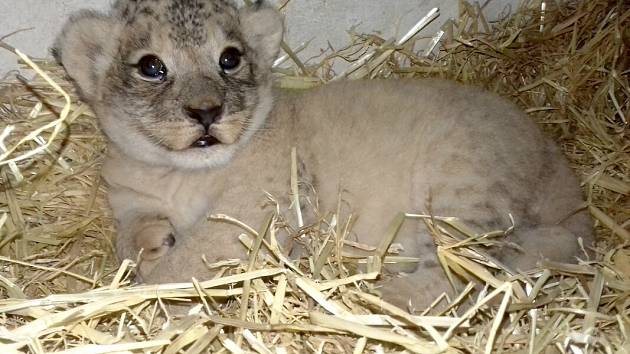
[262,29]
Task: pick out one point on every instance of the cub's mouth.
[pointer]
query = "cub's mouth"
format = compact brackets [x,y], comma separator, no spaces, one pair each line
[205,142]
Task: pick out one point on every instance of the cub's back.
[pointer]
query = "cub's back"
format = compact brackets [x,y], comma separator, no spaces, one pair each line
[475,155]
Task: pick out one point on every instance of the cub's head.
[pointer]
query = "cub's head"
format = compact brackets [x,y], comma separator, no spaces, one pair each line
[178,83]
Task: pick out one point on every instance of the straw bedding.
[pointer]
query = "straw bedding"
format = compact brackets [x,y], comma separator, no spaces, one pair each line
[61,290]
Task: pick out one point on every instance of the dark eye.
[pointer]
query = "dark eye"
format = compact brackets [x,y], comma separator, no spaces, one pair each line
[151,67]
[230,59]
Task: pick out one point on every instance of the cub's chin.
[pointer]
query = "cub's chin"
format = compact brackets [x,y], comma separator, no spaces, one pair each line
[197,151]
[184,134]
[206,152]
[205,141]
[183,139]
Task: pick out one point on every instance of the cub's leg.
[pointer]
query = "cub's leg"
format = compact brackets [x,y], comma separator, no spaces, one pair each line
[417,288]
[552,242]
[405,285]
[420,286]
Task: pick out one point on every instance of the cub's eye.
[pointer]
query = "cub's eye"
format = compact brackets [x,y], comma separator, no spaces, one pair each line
[152,68]
[230,59]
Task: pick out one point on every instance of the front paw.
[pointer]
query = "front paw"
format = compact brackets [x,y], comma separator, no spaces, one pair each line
[154,241]
[148,241]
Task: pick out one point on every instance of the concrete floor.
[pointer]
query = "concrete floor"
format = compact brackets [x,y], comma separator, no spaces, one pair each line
[324,21]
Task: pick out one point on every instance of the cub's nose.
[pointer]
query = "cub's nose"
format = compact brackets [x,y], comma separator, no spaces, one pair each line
[206,116]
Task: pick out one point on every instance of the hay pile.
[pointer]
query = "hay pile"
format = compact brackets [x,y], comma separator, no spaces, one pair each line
[61,290]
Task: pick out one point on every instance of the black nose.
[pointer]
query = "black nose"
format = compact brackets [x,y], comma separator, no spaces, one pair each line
[206,116]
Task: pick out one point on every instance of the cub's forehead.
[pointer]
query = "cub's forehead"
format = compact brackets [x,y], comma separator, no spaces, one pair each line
[185,20]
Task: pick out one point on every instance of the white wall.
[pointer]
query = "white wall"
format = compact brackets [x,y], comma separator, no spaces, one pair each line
[45,17]
[322,20]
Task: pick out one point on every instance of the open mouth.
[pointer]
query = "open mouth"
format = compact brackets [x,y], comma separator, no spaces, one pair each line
[205,141]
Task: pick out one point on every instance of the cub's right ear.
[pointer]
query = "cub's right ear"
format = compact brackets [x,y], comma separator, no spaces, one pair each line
[86,48]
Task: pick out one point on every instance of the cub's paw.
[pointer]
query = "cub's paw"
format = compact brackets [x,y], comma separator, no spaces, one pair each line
[153,242]
[147,241]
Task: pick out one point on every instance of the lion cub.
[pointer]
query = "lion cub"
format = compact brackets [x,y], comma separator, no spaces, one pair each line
[183,91]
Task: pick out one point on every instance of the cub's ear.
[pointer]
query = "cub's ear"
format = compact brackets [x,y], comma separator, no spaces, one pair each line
[262,28]
[86,47]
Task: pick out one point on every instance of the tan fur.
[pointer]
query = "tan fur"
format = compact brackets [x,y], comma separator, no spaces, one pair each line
[390,145]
